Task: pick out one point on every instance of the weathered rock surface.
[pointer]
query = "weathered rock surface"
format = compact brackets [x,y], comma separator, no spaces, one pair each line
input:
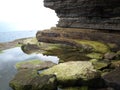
[62,35]
[113,79]
[34,64]
[30,80]
[75,73]
[95,14]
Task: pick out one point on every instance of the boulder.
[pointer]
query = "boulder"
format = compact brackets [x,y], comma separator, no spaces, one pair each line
[75,73]
[115,64]
[30,80]
[99,64]
[30,48]
[34,64]
[110,55]
[112,79]
[95,14]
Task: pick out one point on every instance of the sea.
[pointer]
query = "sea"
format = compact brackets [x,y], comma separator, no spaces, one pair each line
[13,35]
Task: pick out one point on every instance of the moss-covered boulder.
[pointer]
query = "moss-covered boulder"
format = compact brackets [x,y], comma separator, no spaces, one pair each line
[34,64]
[96,46]
[30,80]
[75,73]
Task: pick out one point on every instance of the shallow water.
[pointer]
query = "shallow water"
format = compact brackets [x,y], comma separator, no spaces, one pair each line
[8,59]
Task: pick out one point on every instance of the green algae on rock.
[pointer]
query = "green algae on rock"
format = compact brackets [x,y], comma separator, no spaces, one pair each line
[65,52]
[76,88]
[99,64]
[34,64]
[97,46]
[95,55]
[30,80]
[74,72]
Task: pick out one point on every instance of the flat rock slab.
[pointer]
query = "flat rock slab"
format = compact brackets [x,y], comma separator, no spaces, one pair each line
[34,64]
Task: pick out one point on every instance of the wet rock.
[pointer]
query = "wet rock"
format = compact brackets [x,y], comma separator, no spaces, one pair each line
[115,64]
[95,55]
[80,34]
[66,53]
[118,55]
[29,80]
[110,55]
[109,88]
[75,88]
[75,73]
[113,79]
[34,64]
[104,14]
[30,48]
[99,64]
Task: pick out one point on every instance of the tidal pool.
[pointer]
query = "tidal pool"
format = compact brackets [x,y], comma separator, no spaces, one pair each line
[8,59]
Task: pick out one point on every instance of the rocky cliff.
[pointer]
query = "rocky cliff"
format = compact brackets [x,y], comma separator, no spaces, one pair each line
[93,14]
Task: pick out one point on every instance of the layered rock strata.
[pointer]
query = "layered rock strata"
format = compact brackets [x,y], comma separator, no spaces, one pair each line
[95,14]
[65,36]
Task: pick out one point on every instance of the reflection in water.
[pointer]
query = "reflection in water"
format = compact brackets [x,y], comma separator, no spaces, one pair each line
[11,56]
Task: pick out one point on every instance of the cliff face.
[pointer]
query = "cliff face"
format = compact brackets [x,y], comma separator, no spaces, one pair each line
[94,14]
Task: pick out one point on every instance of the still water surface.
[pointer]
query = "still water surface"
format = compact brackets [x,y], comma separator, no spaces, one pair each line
[8,59]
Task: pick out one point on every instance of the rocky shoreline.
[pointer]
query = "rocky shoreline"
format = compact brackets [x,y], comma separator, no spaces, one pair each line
[86,41]
[78,69]
[12,44]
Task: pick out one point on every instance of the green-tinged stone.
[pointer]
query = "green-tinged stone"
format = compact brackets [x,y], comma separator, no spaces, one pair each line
[97,46]
[70,73]
[22,78]
[99,64]
[66,53]
[115,64]
[34,64]
[30,80]
[30,62]
[76,88]
[95,55]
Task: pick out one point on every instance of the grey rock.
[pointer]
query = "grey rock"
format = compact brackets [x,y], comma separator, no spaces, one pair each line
[110,55]
[112,79]
[95,14]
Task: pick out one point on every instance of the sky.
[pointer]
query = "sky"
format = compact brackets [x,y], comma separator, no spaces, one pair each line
[16,15]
